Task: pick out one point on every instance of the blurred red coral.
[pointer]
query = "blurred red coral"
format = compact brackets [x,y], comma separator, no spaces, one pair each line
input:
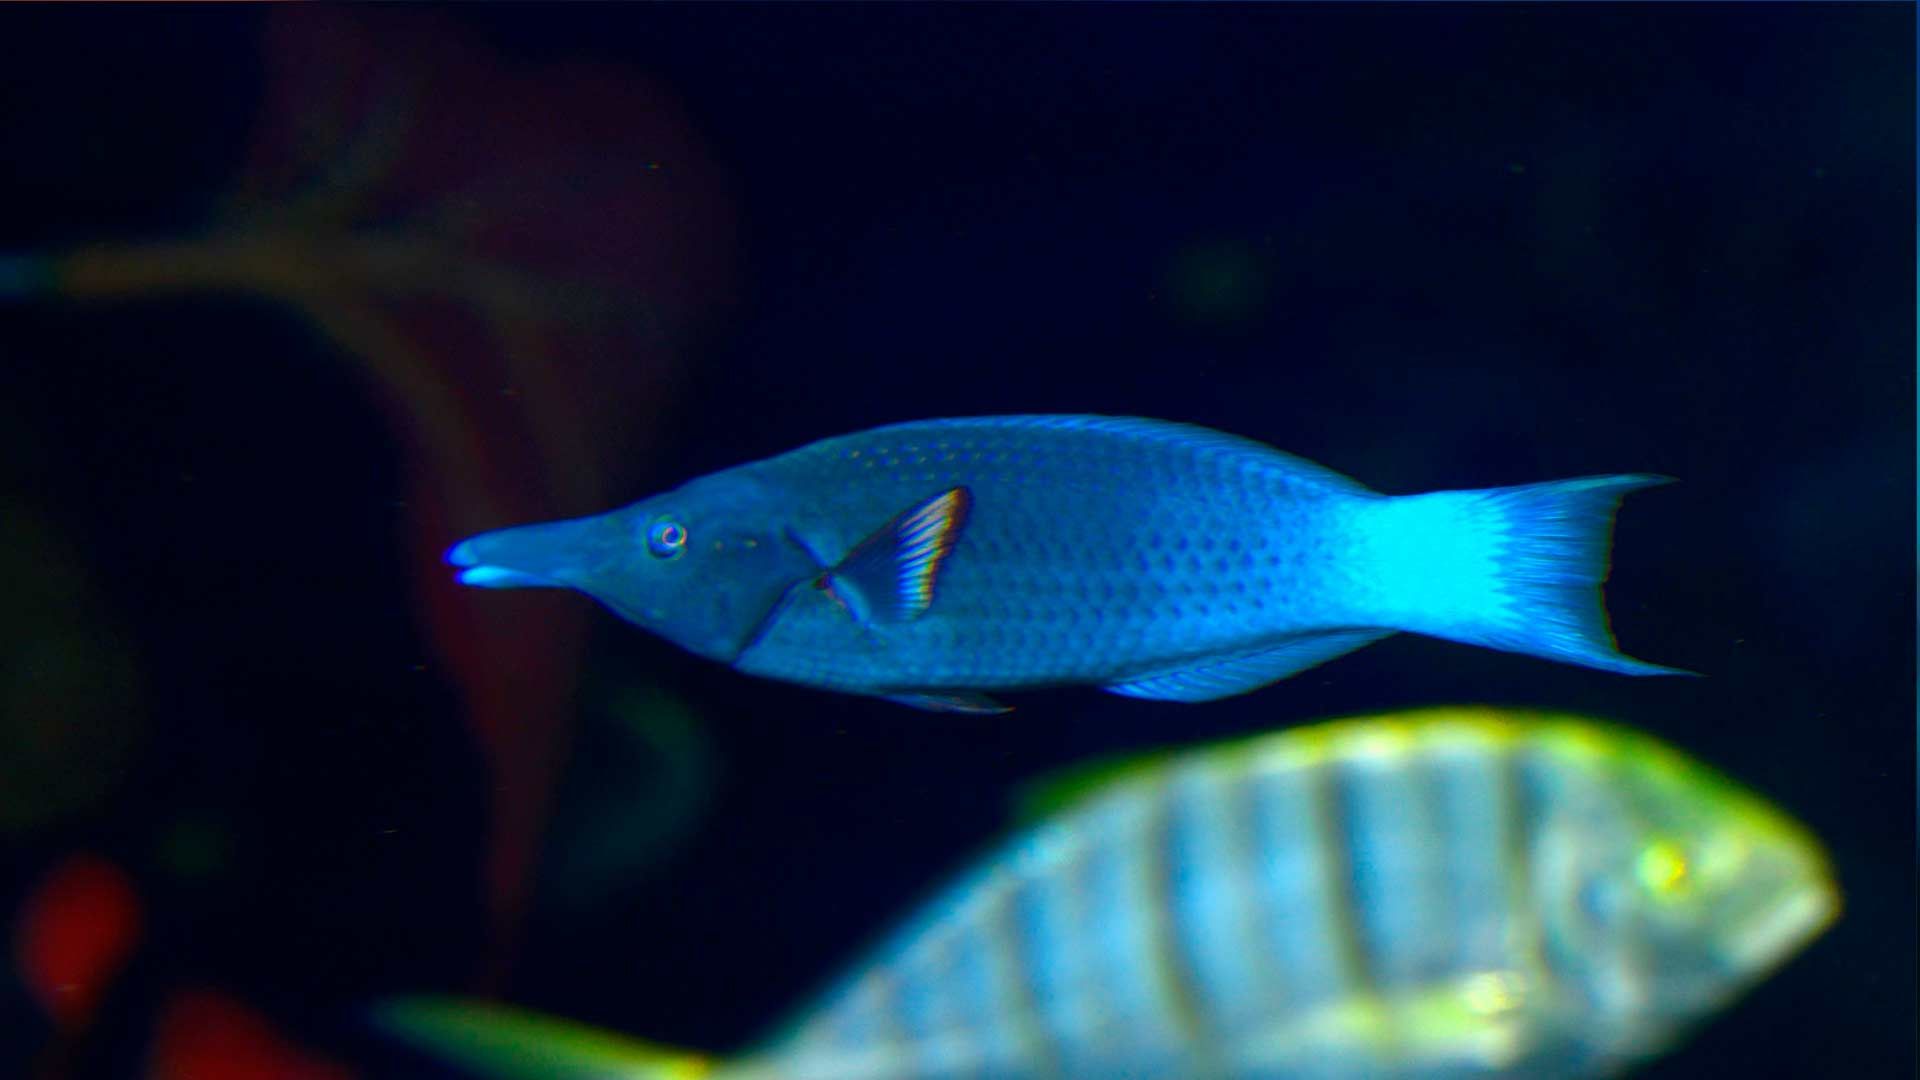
[75,932]
[514,256]
[205,1035]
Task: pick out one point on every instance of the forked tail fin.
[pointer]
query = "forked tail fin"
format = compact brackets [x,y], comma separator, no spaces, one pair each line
[1515,568]
[511,1044]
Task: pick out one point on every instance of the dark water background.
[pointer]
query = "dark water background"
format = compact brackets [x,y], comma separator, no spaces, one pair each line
[1426,246]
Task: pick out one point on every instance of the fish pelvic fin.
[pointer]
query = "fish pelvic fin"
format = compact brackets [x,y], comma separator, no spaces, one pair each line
[493,1040]
[952,701]
[890,576]
[1514,568]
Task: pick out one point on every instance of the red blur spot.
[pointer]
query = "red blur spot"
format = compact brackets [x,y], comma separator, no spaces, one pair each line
[75,931]
[204,1035]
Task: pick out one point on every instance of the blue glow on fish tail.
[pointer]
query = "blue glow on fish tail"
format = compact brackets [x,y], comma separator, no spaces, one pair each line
[1515,568]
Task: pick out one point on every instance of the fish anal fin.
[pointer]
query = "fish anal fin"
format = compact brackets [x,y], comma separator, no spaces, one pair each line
[891,575]
[1236,673]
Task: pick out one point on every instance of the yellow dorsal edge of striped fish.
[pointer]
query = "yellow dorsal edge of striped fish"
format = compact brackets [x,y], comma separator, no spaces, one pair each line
[1051,794]
[1385,738]
[1375,737]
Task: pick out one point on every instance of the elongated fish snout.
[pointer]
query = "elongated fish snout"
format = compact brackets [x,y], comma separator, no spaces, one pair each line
[528,557]
[476,570]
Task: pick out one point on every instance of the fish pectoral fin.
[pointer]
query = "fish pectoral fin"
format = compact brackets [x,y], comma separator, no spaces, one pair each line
[1237,673]
[953,701]
[890,576]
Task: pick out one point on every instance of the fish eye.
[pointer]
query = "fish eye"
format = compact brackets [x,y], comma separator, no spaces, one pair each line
[667,539]
[1665,871]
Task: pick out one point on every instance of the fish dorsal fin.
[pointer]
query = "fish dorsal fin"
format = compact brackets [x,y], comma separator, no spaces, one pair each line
[1237,673]
[1205,443]
[1051,793]
[890,576]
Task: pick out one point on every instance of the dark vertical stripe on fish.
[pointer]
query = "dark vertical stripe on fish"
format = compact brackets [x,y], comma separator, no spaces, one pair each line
[1517,811]
[1208,871]
[1168,957]
[1438,898]
[1334,840]
[1024,1023]
[936,993]
[882,1009]
[1245,875]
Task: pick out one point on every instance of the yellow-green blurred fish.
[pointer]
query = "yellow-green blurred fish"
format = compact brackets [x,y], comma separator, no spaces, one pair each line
[1449,893]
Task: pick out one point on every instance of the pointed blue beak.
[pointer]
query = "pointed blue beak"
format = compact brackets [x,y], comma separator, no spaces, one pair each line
[529,556]
[465,554]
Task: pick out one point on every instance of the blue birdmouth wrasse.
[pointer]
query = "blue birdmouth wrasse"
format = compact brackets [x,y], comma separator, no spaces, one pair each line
[939,561]
[1456,892]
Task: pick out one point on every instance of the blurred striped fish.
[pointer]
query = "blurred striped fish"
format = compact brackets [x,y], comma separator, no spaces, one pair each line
[1451,893]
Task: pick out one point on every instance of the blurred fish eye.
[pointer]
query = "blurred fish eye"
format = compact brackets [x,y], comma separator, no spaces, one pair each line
[1665,870]
[666,539]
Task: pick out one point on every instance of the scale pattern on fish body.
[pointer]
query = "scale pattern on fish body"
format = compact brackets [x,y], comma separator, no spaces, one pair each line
[938,561]
[1084,559]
